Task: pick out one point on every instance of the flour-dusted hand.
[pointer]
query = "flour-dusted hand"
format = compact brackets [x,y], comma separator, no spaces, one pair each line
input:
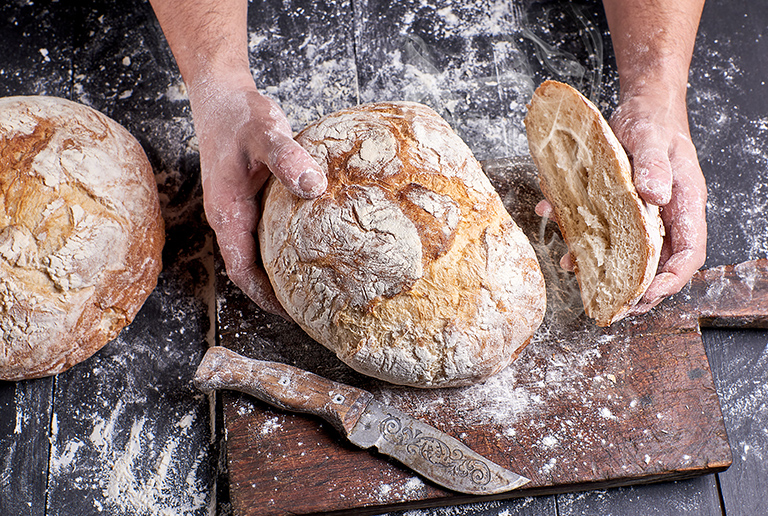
[654,131]
[654,43]
[243,135]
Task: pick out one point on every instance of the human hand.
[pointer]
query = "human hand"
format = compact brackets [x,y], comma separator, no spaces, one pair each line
[653,128]
[666,172]
[243,137]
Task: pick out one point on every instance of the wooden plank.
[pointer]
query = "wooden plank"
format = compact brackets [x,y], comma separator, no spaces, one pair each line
[303,57]
[697,496]
[130,434]
[476,63]
[727,106]
[458,59]
[740,365]
[533,506]
[37,54]
[25,416]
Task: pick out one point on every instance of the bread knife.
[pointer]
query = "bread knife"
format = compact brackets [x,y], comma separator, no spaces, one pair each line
[363,420]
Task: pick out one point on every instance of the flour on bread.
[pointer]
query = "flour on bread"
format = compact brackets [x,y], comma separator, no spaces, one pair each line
[80,233]
[408,267]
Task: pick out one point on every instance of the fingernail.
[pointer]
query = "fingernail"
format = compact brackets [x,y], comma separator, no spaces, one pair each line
[543,209]
[312,183]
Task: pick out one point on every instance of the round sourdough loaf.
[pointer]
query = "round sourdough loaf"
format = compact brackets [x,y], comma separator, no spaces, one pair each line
[408,267]
[81,233]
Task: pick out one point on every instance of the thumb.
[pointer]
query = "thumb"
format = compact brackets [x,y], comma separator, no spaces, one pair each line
[652,172]
[294,167]
[649,152]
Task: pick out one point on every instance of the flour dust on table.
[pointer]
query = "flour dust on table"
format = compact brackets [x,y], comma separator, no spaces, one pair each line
[141,452]
[734,213]
[475,63]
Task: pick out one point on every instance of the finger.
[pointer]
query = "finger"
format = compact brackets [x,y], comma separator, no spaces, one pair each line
[652,173]
[544,209]
[239,255]
[295,168]
[566,262]
[269,140]
[235,228]
[254,282]
[685,219]
[648,149]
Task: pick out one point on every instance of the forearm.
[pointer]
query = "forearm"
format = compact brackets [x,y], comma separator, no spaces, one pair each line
[653,41]
[206,36]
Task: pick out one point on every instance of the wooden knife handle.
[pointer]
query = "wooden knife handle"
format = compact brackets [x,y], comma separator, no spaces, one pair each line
[732,295]
[283,386]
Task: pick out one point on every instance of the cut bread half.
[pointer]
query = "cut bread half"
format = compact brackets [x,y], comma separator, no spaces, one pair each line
[613,236]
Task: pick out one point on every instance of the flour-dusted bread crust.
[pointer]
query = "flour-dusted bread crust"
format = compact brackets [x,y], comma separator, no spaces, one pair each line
[81,233]
[614,238]
[408,267]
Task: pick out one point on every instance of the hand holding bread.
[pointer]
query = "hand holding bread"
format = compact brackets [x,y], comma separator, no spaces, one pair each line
[654,131]
[244,138]
[654,45]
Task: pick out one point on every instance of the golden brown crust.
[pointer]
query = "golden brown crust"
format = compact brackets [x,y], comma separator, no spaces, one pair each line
[81,233]
[408,267]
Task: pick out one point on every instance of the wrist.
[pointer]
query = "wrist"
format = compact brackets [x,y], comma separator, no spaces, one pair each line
[670,89]
[214,83]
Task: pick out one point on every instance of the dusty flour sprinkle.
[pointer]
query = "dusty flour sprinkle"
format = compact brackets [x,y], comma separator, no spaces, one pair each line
[745,402]
[715,118]
[169,486]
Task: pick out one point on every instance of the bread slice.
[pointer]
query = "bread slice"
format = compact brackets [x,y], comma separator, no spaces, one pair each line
[613,236]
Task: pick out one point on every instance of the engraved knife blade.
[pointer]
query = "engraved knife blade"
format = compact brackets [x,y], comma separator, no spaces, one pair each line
[363,420]
[432,453]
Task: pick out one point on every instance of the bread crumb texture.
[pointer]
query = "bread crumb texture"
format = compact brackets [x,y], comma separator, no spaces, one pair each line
[81,233]
[613,237]
[408,267]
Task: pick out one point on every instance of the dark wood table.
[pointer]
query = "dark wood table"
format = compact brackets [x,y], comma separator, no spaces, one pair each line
[126,433]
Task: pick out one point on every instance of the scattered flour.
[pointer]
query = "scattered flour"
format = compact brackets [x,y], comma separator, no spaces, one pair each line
[271,425]
[736,214]
[168,487]
[745,404]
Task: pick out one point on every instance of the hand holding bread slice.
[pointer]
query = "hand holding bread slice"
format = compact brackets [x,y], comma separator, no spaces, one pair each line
[614,237]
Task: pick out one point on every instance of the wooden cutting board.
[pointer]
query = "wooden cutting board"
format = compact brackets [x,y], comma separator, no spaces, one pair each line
[582,408]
